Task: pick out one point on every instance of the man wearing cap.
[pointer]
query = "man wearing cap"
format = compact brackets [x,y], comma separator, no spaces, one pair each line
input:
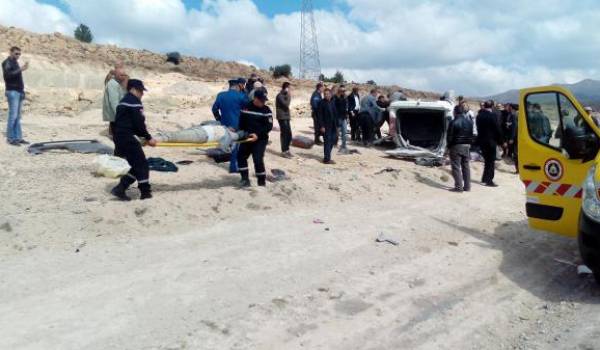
[257,121]
[129,123]
[226,110]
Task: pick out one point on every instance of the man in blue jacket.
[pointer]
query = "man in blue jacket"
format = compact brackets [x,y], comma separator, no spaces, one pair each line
[226,110]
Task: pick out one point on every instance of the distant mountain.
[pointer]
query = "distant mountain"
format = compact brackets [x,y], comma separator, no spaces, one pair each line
[587,92]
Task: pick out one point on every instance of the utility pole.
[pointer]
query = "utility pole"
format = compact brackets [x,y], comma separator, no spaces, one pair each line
[310,63]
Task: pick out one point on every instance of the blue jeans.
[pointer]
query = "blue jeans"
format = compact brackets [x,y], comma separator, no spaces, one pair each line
[13,128]
[343,126]
[233,163]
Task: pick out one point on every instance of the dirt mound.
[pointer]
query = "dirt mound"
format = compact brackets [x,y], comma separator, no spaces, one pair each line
[64,49]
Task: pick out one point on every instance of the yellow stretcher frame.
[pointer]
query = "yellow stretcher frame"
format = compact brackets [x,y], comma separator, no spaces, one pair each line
[192,144]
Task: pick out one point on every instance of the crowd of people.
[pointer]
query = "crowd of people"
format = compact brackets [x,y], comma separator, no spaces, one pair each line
[243,108]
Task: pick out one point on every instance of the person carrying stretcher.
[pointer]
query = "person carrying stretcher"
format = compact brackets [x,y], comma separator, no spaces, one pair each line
[129,123]
[257,121]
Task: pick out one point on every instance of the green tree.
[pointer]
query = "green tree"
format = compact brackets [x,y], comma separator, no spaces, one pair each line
[284,70]
[84,34]
[338,78]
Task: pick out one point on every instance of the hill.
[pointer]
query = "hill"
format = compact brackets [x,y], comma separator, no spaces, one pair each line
[587,92]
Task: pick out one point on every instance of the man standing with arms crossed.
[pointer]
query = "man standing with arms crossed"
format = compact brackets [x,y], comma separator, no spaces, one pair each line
[15,94]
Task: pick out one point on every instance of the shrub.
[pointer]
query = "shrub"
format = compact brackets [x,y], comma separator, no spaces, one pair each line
[84,34]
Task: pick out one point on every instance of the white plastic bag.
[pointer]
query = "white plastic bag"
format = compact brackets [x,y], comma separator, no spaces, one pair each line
[109,166]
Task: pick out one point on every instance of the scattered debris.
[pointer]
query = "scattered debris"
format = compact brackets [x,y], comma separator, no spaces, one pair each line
[6,227]
[303,142]
[77,146]
[383,239]
[430,162]
[110,166]
[318,221]
[388,170]
[162,165]
[78,245]
[277,175]
[139,212]
[584,270]
[184,162]
[565,262]
[454,244]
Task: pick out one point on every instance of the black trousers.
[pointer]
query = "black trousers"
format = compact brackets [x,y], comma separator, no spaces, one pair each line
[489,169]
[367,126]
[130,149]
[330,139]
[316,126]
[354,126]
[257,150]
[286,134]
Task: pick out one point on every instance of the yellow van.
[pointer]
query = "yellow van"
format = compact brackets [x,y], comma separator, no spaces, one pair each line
[559,163]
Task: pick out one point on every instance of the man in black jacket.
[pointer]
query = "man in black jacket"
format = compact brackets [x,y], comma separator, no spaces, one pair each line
[257,121]
[15,94]
[315,100]
[460,137]
[282,110]
[353,109]
[341,108]
[328,118]
[489,136]
[129,123]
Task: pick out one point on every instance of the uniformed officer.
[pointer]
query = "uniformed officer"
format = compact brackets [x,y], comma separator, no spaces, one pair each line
[256,120]
[129,123]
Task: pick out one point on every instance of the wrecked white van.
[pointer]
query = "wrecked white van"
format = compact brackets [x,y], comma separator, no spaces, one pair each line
[419,128]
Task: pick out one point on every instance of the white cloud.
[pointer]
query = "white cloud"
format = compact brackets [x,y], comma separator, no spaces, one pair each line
[472,46]
[34,16]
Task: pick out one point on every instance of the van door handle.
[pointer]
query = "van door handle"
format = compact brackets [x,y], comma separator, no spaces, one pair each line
[534,167]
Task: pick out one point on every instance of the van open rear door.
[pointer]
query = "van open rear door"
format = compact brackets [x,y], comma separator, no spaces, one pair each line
[549,117]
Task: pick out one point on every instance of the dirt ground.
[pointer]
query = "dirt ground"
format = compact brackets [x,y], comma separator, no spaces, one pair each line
[206,265]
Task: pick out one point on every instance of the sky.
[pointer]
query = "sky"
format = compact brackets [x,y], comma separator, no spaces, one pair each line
[471,46]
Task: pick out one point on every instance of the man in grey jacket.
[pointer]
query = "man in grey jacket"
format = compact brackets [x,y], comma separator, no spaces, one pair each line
[113,94]
[282,110]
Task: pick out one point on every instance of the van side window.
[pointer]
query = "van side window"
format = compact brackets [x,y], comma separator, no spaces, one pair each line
[544,118]
[580,140]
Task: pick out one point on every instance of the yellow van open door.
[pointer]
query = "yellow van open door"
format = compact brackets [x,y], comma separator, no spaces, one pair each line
[552,169]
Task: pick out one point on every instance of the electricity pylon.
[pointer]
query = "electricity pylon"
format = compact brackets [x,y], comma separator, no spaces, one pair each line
[310,64]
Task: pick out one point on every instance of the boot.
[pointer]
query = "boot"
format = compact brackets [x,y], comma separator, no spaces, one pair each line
[119,192]
[145,191]
[262,180]
[245,182]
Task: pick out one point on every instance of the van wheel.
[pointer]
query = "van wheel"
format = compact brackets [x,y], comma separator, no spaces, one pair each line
[590,254]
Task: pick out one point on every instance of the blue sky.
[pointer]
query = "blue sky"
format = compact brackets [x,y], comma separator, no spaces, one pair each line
[465,45]
[268,7]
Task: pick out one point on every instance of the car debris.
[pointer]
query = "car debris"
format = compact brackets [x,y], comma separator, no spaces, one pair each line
[76,146]
[383,239]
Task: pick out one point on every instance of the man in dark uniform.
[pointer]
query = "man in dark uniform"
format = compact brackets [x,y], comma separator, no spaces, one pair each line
[257,121]
[488,138]
[315,100]
[328,122]
[129,123]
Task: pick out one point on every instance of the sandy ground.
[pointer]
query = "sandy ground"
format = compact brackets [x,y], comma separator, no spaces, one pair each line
[206,265]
